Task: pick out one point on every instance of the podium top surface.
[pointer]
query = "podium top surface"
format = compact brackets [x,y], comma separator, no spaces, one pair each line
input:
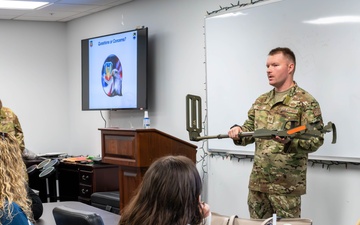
[149,130]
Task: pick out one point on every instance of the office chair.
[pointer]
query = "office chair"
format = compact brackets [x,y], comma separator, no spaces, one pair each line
[67,216]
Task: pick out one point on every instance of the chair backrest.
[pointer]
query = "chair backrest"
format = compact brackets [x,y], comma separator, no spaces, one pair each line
[67,216]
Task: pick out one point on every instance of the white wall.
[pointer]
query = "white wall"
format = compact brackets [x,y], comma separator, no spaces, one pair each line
[34,81]
[53,120]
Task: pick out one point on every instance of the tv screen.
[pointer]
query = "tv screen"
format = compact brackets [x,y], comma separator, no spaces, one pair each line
[114,71]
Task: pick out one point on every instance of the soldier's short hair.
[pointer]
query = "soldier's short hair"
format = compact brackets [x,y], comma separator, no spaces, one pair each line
[286,51]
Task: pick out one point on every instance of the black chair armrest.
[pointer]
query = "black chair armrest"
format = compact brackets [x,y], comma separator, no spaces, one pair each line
[67,216]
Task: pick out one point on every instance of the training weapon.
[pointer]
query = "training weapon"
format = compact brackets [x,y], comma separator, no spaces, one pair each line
[304,132]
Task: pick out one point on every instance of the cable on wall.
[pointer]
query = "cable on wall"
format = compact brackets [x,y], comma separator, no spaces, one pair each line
[312,162]
[102,116]
[328,164]
[238,5]
[203,161]
[203,155]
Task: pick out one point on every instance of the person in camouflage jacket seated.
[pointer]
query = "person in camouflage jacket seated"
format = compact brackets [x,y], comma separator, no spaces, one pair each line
[9,123]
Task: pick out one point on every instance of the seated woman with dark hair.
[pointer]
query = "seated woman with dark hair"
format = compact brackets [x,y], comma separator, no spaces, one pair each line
[15,206]
[168,195]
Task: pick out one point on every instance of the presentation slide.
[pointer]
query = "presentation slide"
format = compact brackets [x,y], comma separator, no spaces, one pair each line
[113,71]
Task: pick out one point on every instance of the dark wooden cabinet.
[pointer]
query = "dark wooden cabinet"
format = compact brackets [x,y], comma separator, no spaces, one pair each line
[78,181]
[134,150]
[75,181]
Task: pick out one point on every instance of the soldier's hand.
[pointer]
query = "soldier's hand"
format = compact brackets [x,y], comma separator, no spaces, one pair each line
[234,133]
[282,139]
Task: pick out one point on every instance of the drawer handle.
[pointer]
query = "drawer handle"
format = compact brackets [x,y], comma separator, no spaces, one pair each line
[84,191]
[129,174]
[84,177]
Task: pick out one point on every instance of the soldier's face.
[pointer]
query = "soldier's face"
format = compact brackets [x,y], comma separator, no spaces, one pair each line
[279,70]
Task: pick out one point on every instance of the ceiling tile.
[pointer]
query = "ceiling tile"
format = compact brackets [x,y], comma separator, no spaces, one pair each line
[61,10]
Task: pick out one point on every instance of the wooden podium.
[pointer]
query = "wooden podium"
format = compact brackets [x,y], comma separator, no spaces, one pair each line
[134,150]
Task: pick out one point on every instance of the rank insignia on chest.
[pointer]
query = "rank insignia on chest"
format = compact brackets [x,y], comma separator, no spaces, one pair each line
[270,119]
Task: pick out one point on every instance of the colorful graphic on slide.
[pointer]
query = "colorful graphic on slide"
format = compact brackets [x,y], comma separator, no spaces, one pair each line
[111,76]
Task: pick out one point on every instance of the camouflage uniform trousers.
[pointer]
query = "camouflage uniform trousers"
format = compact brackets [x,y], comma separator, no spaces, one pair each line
[264,205]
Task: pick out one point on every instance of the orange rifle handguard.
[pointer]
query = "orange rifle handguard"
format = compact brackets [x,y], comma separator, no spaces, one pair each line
[296,129]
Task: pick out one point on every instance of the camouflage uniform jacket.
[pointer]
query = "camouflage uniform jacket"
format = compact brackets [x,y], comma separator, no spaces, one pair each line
[9,123]
[281,168]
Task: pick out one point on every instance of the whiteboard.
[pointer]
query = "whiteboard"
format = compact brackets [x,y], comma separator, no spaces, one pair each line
[328,65]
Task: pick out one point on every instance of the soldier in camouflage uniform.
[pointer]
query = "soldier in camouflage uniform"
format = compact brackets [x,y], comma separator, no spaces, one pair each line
[9,123]
[278,177]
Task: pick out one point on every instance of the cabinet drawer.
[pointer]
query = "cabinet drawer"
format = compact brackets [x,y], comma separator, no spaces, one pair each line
[85,191]
[85,177]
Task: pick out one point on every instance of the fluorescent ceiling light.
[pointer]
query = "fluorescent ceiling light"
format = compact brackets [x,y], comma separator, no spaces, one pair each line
[21,4]
[335,19]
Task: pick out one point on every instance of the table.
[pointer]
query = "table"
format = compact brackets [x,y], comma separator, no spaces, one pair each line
[48,219]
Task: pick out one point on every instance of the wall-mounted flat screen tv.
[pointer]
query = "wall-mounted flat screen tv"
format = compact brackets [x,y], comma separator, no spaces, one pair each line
[114,71]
